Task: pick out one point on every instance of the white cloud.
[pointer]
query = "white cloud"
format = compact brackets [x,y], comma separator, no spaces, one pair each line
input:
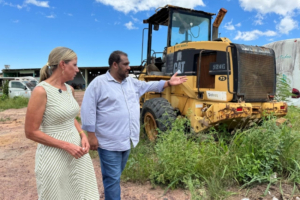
[286,25]
[252,35]
[117,23]
[10,4]
[69,14]
[51,16]
[38,3]
[143,5]
[96,20]
[135,19]
[229,26]
[16,21]
[238,25]
[259,19]
[44,4]
[280,7]
[130,25]
[284,8]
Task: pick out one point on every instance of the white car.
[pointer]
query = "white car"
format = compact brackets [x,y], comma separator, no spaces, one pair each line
[18,88]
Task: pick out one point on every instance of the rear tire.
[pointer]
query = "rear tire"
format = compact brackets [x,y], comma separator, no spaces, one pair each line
[153,116]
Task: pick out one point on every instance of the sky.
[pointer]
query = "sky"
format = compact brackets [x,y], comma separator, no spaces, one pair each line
[30,29]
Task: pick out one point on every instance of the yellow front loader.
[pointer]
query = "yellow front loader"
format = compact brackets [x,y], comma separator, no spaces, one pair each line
[227,82]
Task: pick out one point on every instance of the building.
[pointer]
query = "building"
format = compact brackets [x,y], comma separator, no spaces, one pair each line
[82,79]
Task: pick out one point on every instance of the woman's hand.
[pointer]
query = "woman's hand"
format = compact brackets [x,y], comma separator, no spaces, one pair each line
[74,150]
[85,143]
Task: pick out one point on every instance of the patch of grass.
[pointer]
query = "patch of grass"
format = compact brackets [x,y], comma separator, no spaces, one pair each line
[78,119]
[257,152]
[293,116]
[14,103]
[4,119]
[176,156]
[140,163]
[209,164]
[93,154]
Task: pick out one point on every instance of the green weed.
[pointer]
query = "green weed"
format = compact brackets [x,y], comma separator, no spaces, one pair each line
[4,119]
[283,88]
[16,102]
[141,162]
[5,88]
[208,164]
[78,119]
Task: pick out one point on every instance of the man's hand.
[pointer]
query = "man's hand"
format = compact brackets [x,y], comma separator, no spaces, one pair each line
[93,141]
[175,80]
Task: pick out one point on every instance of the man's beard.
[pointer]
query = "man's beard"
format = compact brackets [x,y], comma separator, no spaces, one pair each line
[121,73]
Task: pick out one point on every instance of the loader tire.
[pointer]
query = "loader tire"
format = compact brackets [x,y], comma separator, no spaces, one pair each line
[157,113]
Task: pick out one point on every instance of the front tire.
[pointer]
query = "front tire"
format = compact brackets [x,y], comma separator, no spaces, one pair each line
[157,113]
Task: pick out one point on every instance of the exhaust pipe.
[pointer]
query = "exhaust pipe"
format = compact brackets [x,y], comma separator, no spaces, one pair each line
[217,22]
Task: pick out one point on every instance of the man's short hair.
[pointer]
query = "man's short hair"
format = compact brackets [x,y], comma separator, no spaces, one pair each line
[116,57]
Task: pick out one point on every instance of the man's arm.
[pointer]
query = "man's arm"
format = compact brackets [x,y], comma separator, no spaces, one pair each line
[158,86]
[88,114]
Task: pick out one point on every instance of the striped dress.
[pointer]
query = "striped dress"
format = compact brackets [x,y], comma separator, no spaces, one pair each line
[59,175]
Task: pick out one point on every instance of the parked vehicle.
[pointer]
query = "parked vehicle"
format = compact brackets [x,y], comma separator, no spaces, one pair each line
[228,83]
[19,88]
[30,82]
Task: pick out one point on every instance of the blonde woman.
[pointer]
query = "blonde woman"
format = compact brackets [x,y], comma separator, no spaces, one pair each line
[63,167]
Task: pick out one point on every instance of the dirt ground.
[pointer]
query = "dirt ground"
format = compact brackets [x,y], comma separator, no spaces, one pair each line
[17,178]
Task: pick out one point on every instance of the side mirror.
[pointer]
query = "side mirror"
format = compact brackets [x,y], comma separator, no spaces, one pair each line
[156,27]
[25,88]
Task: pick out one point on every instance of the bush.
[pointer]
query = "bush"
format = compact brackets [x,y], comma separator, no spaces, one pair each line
[257,152]
[5,88]
[16,102]
[211,163]
[283,88]
[3,97]
[176,156]
[141,162]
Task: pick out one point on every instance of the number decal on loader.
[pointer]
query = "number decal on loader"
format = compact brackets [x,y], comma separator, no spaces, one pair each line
[222,78]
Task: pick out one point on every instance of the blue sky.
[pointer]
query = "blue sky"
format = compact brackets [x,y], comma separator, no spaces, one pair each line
[30,29]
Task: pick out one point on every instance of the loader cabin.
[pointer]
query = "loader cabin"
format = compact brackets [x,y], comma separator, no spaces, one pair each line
[184,25]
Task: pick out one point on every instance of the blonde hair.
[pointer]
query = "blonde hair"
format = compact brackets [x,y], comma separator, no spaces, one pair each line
[56,55]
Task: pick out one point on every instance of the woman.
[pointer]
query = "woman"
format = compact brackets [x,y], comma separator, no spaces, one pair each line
[63,167]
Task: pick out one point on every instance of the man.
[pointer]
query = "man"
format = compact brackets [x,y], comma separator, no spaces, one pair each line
[110,112]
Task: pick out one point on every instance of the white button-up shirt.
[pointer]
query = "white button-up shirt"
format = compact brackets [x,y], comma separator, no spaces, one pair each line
[112,110]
